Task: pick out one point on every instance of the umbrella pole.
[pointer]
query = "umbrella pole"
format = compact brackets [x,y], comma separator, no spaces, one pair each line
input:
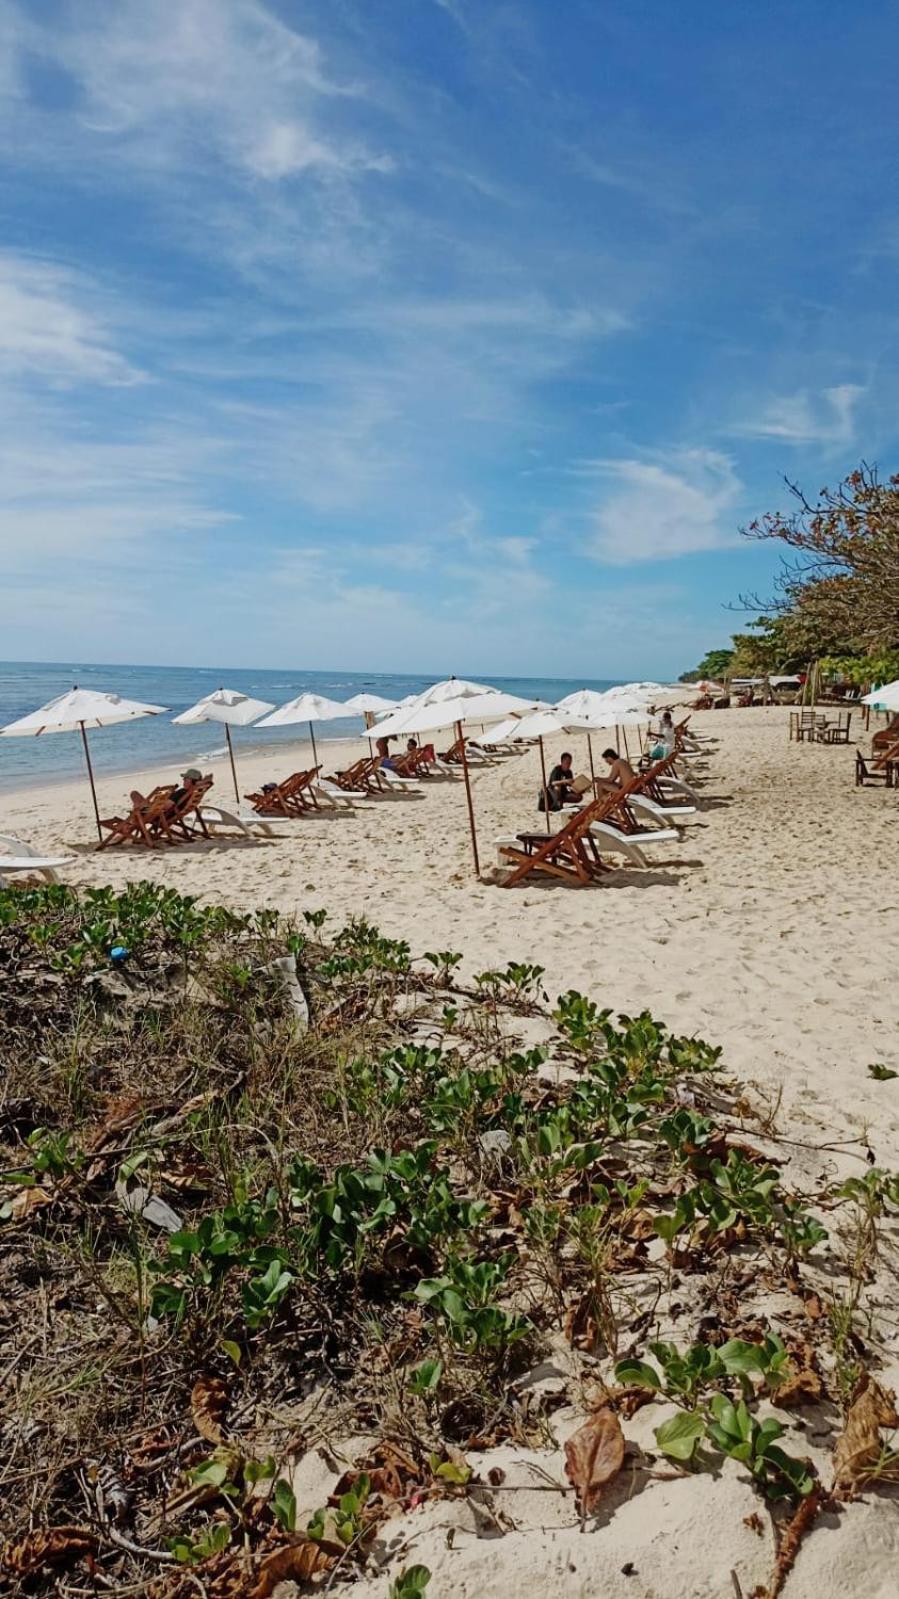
[617,738]
[546,810]
[474,836]
[592,772]
[233,767]
[314,750]
[627,753]
[90,773]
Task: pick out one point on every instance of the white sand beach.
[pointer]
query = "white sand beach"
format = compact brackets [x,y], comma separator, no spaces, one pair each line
[771,929]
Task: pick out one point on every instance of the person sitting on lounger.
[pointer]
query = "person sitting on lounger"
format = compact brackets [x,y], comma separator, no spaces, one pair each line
[666,740]
[186,786]
[385,759]
[620,772]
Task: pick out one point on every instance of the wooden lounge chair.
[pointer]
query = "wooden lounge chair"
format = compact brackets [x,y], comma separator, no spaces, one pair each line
[137,826]
[181,818]
[359,777]
[571,854]
[291,798]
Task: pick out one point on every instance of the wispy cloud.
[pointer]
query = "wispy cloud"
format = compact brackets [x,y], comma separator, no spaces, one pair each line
[51,327]
[657,509]
[825,416]
[203,81]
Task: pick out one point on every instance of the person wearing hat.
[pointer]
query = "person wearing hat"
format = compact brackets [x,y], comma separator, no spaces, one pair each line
[188,779]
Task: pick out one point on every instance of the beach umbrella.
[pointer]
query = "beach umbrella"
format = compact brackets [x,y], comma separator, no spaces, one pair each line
[885,699]
[364,703]
[466,710]
[474,709]
[75,712]
[233,709]
[368,705]
[306,708]
[452,688]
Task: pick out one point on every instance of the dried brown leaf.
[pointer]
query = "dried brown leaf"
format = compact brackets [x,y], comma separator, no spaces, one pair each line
[594,1456]
[803,1388]
[51,1546]
[813,1307]
[29,1199]
[859,1446]
[208,1402]
[297,1562]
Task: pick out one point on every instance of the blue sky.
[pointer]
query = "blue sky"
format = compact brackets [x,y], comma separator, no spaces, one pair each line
[430,334]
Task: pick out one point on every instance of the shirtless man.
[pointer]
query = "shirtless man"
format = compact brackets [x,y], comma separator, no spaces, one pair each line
[620,772]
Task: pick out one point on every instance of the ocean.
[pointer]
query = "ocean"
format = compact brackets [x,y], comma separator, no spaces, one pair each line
[132,745]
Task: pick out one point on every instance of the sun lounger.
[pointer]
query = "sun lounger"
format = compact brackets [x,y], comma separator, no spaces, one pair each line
[138,826]
[359,777]
[869,774]
[571,854]
[291,798]
[218,819]
[334,796]
[17,856]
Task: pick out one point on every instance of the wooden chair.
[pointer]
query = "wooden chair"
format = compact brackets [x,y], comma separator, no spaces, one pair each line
[182,818]
[571,854]
[361,776]
[288,798]
[138,826]
[869,774]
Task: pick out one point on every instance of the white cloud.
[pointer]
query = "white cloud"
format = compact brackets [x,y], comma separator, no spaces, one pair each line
[658,509]
[825,416]
[49,328]
[200,82]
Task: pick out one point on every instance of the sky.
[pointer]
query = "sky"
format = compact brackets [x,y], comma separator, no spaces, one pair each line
[448,335]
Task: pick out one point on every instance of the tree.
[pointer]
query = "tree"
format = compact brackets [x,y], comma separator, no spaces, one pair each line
[714,664]
[843,590]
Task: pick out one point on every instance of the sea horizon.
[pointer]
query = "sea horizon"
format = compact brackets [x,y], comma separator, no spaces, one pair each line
[26,685]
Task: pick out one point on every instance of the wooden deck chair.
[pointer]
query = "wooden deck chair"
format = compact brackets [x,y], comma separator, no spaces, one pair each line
[136,827]
[571,854]
[285,798]
[359,776]
[181,819]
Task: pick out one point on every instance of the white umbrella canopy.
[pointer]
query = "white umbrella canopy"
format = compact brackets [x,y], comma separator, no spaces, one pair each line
[370,702]
[234,709]
[80,707]
[887,697]
[76,711]
[226,705]
[452,688]
[469,709]
[306,708]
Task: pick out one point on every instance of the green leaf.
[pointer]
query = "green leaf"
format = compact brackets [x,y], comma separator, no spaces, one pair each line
[212,1473]
[679,1436]
[232,1350]
[740,1358]
[881,1074]
[284,1505]
[426,1377]
[637,1371]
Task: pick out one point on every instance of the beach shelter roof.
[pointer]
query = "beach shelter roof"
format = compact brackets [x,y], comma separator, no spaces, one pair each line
[226,705]
[370,702]
[886,697]
[234,709]
[76,711]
